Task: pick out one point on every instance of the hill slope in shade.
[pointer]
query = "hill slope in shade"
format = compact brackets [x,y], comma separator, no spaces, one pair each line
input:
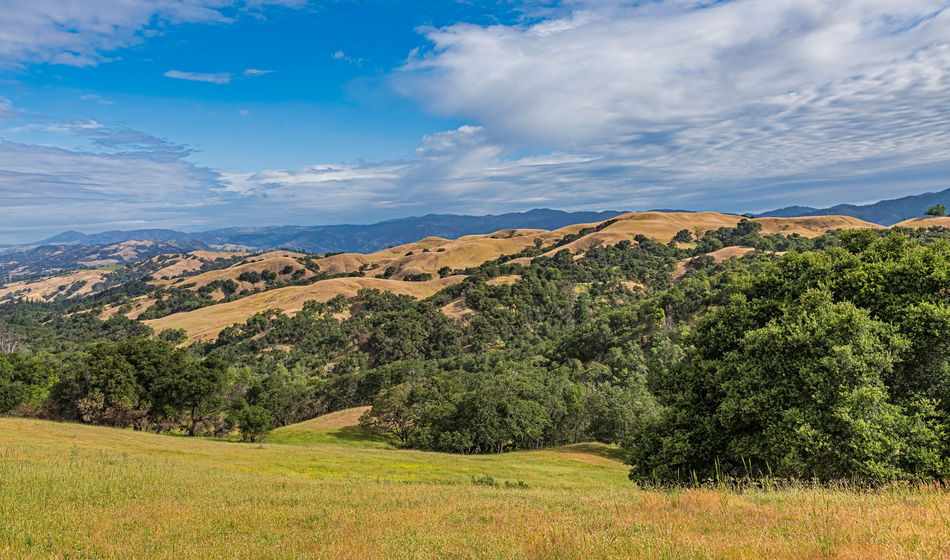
[885,212]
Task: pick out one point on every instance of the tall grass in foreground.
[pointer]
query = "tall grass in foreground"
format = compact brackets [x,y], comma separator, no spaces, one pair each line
[70,491]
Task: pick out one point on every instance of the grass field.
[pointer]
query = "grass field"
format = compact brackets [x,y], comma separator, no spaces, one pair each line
[323,490]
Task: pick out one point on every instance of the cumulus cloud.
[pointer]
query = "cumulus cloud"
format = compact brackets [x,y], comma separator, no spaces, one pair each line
[83,33]
[741,105]
[216,78]
[688,91]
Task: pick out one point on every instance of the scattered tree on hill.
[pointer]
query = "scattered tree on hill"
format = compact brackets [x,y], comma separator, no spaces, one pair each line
[936,210]
[250,276]
[683,236]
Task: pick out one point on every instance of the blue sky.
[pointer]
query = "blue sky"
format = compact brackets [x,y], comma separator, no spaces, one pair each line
[195,114]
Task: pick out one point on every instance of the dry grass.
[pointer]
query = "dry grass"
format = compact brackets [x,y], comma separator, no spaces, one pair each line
[47,288]
[456,309]
[69,491]
[191,262]
[275,261]
[207,322]
[812,226]
[943,221]
[464,252]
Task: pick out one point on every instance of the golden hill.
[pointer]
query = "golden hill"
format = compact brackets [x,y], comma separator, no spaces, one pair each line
[207,322]
[274,261]
[49,288]
[433,253]
[177,265]
[918,223]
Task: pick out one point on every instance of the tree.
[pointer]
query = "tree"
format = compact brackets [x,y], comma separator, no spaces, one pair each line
[337,303]
[392,413]
[229,286]
[683,236]
[253,422]
[936,210]
[175,336]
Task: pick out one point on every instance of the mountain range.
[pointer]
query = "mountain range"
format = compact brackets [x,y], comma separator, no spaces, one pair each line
[348,238]
[885,212]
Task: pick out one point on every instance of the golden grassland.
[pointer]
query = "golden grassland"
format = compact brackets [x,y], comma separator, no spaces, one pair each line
[48,287]
[205,323]
[941,221]
[323,490]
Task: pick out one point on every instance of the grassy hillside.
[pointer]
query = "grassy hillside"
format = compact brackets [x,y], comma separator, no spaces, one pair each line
[320,490]
[207,322]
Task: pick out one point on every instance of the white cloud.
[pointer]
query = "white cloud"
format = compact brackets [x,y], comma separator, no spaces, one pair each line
[46,189]
[82,33]
[6,109]
[256,72]
[216,78]
[97,99]
[688,92]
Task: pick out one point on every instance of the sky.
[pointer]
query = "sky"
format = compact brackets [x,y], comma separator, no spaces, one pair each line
[199,114]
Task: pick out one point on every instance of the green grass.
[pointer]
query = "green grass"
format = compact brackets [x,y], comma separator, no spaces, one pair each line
[312,491]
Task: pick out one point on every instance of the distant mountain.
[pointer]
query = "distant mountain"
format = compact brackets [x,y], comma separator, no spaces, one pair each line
[351,238]
[885,212]
[110,237]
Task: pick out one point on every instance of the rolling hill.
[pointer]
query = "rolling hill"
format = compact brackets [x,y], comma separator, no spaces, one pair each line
[419,268]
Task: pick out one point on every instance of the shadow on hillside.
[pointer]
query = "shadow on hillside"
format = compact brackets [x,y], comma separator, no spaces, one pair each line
[599,449]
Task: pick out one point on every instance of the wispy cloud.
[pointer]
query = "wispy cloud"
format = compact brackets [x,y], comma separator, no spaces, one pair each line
[216,78]
[256,72]
[97,99]
[340,55]
[6,109]
[45,189]
[83,33]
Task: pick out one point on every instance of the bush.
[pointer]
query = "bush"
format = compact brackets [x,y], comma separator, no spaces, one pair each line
[253,422]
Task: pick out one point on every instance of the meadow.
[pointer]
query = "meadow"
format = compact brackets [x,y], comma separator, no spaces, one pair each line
[323,489]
